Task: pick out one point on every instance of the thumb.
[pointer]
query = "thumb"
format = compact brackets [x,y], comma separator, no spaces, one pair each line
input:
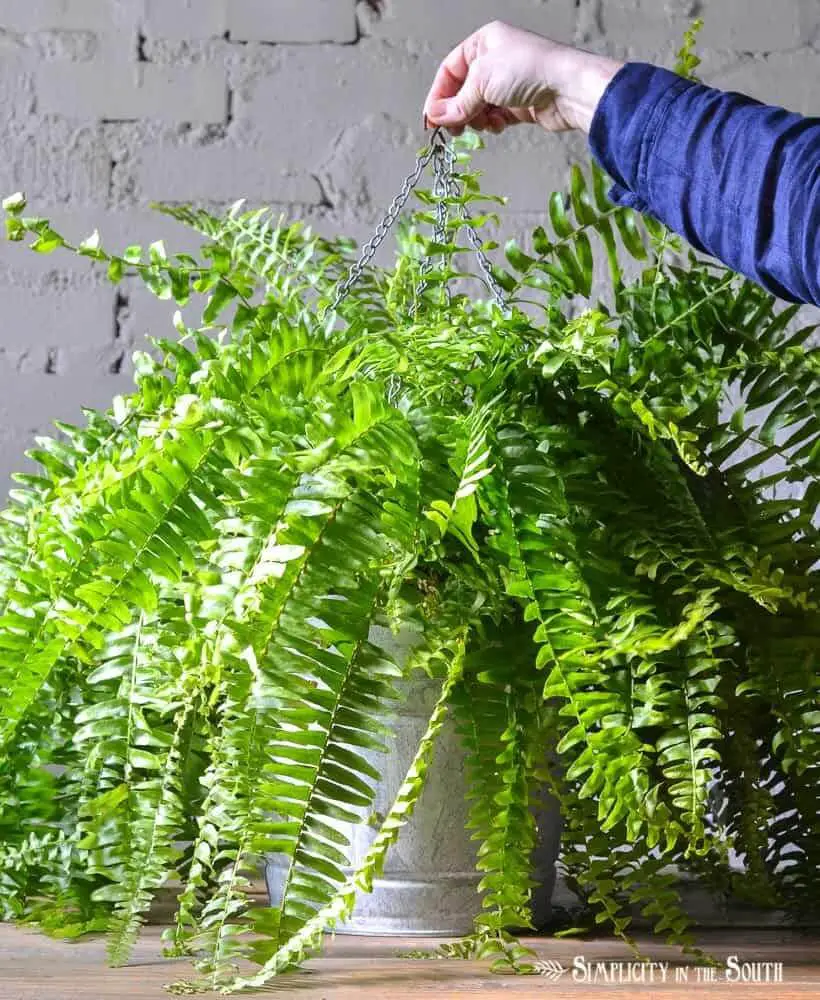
[453,112]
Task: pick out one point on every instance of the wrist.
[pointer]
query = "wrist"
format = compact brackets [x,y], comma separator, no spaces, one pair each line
[587,78]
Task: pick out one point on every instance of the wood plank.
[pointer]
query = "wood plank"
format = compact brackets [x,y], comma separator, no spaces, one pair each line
[35,967]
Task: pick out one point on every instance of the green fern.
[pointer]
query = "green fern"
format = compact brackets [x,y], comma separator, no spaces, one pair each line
[600,526]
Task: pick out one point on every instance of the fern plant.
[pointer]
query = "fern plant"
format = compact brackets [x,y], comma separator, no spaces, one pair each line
[612,572]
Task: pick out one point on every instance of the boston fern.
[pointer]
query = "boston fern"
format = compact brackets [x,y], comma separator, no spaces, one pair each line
[595,512]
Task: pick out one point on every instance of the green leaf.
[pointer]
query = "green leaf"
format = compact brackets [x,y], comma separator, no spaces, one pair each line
[625,220]
[47,241]
[90,247]
[517,258]
[214,592]
[581,204]
[558,216]
[15,204]
[115,270]
[15,230]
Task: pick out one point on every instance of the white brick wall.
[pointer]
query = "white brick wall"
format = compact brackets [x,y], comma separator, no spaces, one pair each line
[735,25]
[34,320]
[64,15]
[29,402]
[790,79]
[109,90]
[58,161]
[312,105]
[185,20]
[281,21]
[444,23]
[220,173]
[292,20]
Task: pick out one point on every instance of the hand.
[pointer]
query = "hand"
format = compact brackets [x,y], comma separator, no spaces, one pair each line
[503,76]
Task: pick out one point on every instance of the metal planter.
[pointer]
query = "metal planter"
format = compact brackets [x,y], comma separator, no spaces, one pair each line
[430,883]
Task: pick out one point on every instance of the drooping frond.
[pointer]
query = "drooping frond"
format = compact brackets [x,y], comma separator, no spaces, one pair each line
[599,529]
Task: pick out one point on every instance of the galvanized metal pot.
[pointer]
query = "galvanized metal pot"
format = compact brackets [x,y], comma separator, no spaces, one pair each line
[430,884]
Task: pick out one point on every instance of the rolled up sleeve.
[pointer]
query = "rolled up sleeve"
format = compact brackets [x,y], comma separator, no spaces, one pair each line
[738,179]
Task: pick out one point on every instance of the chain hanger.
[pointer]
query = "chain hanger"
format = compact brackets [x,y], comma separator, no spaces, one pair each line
[445,184]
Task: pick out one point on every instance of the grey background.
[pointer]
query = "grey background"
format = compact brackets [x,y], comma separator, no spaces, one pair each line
[312,106]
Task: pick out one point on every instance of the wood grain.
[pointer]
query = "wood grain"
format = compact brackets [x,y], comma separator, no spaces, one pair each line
[34,967]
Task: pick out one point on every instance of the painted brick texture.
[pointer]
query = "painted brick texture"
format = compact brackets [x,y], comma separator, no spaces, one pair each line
[312,106]
[63,15]
[110,91]
[733,25]
[185,20]
[292,20]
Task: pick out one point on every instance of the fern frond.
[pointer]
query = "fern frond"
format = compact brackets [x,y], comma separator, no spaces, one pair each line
[309,937]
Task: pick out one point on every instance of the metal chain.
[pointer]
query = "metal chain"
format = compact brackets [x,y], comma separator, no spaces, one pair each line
[475,242]
[484,263]
[443,166]
[444,184]
[384,226]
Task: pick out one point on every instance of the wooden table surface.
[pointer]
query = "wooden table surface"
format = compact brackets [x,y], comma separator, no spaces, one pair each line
[34,967]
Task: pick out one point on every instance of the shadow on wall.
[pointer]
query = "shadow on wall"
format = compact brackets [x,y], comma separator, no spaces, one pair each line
[376,5]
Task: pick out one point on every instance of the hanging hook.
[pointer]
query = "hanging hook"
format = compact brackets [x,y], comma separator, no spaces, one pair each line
[436,138]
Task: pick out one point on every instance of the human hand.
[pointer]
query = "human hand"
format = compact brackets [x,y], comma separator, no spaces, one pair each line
[503,76]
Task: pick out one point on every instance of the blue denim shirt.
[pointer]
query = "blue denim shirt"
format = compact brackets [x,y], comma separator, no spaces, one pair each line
[738,179]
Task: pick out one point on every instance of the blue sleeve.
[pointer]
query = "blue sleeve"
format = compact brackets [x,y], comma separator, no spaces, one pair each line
[738,179]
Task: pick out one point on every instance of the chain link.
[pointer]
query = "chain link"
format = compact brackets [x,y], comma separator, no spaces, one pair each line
[475,242]
[384,226]
[444,185]
[484,263]
[443,167]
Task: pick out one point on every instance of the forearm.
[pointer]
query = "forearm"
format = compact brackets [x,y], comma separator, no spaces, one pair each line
[736,178]
[585,77]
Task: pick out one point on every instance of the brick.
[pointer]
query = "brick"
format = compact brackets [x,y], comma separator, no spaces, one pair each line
[220,174]
[113,358]
[444,23]
[13,460]
[788,80]
[370,162]
[122,228]
[185,20]
[739,25]
[17,104]
[757,25]
[644,26]
[109,90]
[525,171]
[80,317]
[31,403]
[18,262]
[369,80]
[145,315]
[60,162]
[64,15]
[292,20]
[118,230]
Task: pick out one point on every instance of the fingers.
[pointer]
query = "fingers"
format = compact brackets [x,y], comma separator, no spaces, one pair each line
[494,120]
[489,119]
[465,105]
[452,72]
[455,97]
[498,119]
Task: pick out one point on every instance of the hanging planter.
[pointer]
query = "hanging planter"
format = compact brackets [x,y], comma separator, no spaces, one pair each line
[430,885]
[611,607]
